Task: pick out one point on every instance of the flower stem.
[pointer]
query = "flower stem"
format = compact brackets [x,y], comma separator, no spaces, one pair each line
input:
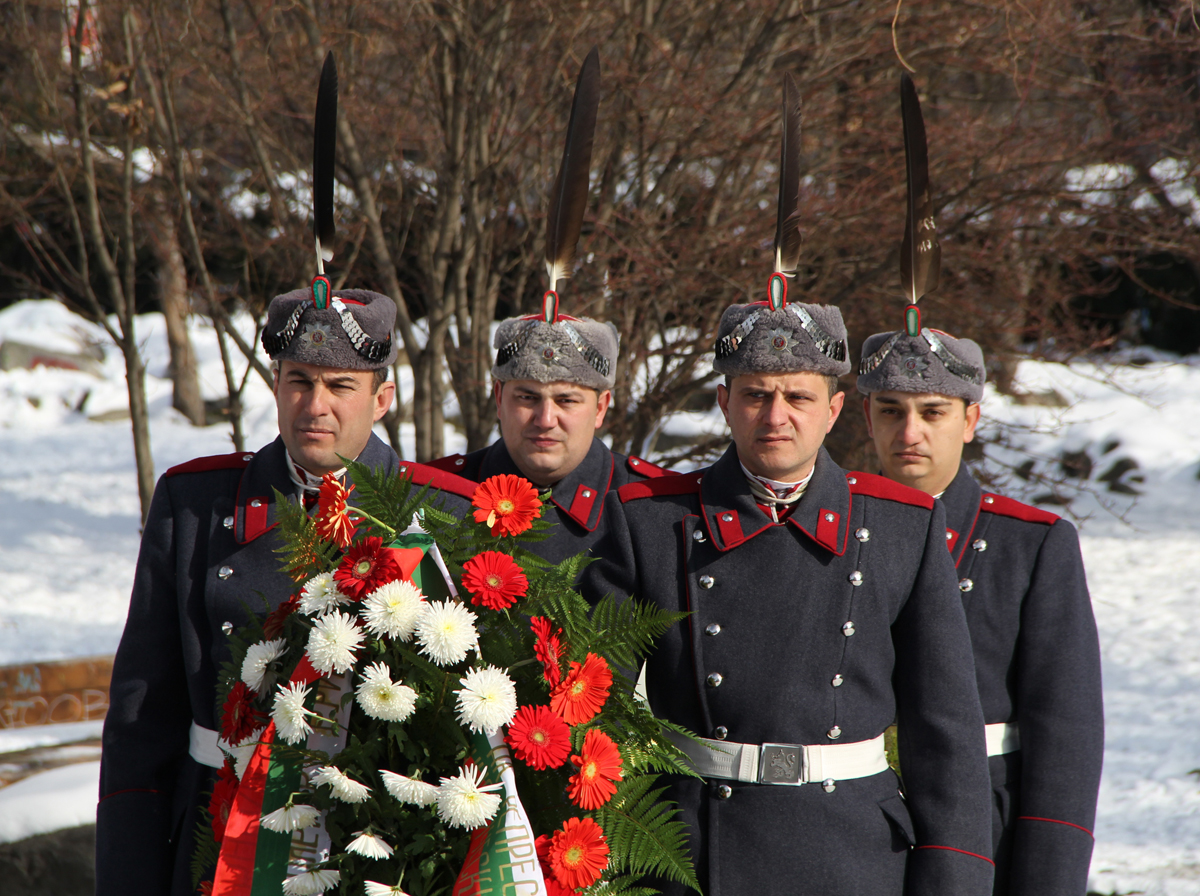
[362,514]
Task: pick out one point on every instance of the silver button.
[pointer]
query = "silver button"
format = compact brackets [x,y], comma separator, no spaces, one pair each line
[724,792]
[247,457]
[837,680]
[965,585]
[225,572]
[714,679]
[707,581]
[632,460]
[720,732]
[713,628]
[829,785]
[586,493]
[848,629]
[834,733]
[698,536]
[979,544]
[949,535]
[256,503]
[459,462]
[227,522]
[851,480]
[227,627]
[856,578]
[727,517]
[403,469]
[862,534]
[989,500]
[829,517]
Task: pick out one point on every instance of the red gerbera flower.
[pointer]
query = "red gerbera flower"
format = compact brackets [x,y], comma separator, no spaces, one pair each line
[507,503]
[494,580]
[240,719]
[273,624]
[547,648]
[582,693]
[224,790]
[365,567]
[578,853]
[599,765]
[553,887]
[333,516]
[539,738]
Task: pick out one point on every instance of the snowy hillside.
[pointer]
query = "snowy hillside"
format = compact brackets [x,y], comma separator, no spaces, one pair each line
[1121,445]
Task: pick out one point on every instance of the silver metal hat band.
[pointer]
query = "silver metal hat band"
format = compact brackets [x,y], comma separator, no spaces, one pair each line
[370,348]
[953,364]
[832,348]
[790,764]
[1002,737]
[510,350]
[274,343]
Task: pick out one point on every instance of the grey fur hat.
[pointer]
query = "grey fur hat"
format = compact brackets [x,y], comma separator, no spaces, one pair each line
[572,350]
[797,338]
[932,362]
[354,331]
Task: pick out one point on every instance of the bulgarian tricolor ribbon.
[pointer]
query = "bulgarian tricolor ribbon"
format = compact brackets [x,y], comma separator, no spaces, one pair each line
[255,861]
[501,859]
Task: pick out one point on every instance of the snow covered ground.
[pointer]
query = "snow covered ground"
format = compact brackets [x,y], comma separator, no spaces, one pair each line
[69,537]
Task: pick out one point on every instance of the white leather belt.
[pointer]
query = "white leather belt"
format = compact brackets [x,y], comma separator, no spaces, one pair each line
[202,746]
[775,763]
[1002,737]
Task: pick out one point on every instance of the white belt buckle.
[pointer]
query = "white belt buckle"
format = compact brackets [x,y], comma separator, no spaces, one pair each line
[781,764]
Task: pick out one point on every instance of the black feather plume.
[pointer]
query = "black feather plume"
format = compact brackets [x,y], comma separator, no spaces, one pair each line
[787,224]
[920,254]
[569,199]
[324,153]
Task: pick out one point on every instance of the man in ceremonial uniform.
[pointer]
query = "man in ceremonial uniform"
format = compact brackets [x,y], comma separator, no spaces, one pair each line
[553,377]
[208,552]
[822,607]
[1020,574]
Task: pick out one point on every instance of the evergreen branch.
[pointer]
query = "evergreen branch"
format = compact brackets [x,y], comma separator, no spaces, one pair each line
[644,833]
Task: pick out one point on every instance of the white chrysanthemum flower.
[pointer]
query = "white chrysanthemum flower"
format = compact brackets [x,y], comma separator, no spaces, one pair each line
[258,657]
[463,802]
[369,846]
[242,753]
[310,883]
[409,790]
[320,594]
[383,699]
[344,787]
[393,610]
[374,888]
[488,699]
[446,632]
[332,642]
[291,718]
[291,818]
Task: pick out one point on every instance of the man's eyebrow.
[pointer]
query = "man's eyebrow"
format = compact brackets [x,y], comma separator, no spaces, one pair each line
[936,402]
[340,379]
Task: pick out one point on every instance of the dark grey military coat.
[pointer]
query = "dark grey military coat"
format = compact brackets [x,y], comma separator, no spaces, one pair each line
[1037,663]
[577,499]
[823,628]
[207,548]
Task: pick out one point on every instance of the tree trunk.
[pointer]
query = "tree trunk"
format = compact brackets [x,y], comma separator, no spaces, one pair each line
[173,299]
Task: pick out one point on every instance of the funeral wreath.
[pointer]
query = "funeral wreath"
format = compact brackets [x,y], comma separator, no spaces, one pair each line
[437,710]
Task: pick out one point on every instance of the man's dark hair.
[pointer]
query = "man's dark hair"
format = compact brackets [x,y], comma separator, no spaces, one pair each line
[831,382]
[381,377]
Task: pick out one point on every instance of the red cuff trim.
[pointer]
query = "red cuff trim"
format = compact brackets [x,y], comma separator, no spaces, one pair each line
[127,790]
[1056,821]
[963,851]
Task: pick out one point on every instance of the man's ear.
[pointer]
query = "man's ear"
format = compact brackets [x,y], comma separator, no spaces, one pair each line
[603,402]
[836,403]
[385,395]
[867,414]
[973,411]
[497,391]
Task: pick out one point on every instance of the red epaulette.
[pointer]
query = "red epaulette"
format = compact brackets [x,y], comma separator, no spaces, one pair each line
[643,467]
[881,487]
[436,477]
[677,484]
[998,504]
[236,461]
[452,463]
